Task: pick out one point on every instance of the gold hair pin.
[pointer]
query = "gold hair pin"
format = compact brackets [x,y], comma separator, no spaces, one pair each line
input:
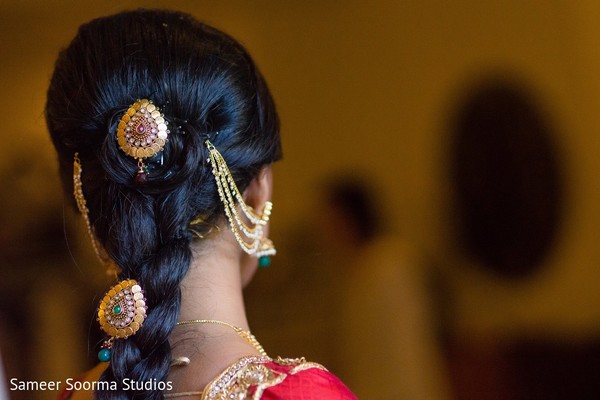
[142,132]
[121,313]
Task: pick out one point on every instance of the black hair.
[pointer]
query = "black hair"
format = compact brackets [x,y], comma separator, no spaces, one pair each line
[203,80]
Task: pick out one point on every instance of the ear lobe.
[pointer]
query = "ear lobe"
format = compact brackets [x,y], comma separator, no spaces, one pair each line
[260,188]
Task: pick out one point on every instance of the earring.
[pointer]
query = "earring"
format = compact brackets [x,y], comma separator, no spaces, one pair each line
[250,236]
[265,250]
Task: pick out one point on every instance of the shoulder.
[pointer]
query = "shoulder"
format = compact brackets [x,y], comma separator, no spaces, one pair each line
[92,375]
[283,378]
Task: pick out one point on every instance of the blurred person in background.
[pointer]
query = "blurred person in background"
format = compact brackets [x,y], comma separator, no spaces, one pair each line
[386,329]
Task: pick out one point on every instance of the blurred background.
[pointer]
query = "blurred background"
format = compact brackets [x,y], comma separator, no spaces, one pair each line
[436,214]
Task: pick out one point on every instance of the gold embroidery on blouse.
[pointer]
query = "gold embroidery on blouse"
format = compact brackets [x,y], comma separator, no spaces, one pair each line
[237,380]
[290,361]
[299,364]
[306,365]
[263,378]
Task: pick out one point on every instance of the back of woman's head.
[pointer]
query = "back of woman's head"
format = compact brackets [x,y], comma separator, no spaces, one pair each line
[207,87]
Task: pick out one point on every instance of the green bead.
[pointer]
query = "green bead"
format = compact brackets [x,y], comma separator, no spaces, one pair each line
[104,355]
[117,310]
[264,261]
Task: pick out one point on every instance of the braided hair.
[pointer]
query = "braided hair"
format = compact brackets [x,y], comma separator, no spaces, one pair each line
[205,82]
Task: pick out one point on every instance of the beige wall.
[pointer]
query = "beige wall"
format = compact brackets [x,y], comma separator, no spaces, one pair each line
[368,85]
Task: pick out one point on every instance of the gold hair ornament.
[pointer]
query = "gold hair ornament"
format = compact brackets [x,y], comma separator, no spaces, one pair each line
[142,132]
[111,269]
[121,313]
[249,234]
[201,229]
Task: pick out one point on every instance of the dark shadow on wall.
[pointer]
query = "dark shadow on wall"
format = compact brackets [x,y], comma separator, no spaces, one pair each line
[506,176]
[509,195]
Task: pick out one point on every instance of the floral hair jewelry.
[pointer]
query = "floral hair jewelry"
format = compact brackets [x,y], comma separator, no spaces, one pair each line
[250,235]
[142,132]
[121,313]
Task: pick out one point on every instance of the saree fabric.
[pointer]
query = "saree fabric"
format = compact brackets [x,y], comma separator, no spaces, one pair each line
[266,379]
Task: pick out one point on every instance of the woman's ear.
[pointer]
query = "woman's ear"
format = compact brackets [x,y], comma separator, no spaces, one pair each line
[260,189]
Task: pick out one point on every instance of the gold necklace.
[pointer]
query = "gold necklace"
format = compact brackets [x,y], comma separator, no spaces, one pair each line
[246,335]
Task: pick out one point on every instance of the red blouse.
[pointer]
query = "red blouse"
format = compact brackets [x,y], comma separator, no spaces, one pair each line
[282,378]
[263,378]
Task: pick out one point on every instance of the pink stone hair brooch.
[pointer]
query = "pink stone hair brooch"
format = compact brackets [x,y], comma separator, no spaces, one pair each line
[142,133]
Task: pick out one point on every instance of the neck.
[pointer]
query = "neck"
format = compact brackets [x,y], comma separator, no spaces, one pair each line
[211,290]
